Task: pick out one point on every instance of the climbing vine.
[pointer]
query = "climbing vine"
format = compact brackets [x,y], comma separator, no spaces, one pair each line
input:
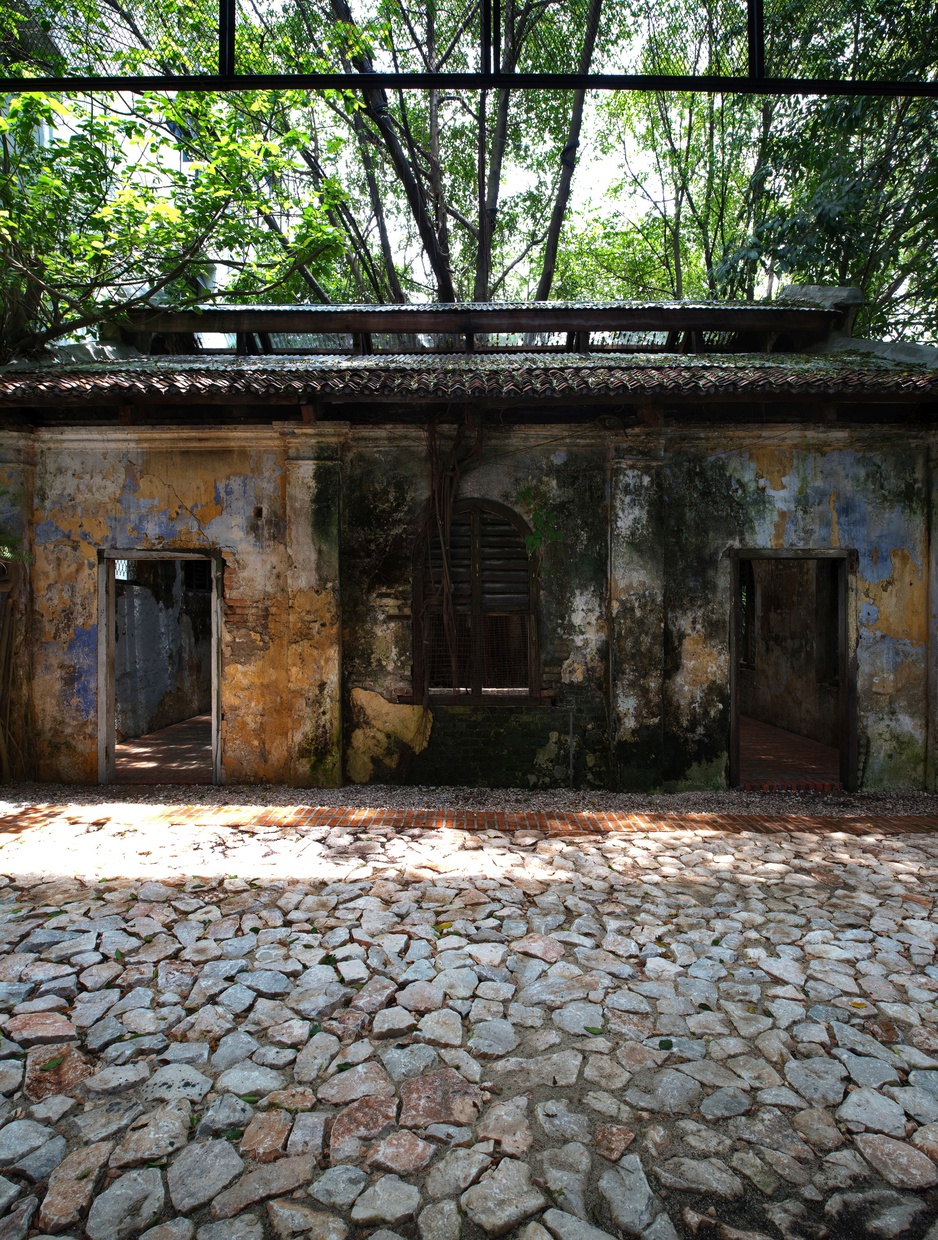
[532,501]
[447,460]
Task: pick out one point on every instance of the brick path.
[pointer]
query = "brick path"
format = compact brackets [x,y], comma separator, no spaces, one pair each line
[583,822]
[773,760]
[178,754]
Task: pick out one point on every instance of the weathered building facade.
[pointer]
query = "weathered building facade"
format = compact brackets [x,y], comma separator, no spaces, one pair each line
[549,564]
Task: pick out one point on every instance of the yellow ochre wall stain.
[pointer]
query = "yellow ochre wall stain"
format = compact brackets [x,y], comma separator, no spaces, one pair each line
[229,499]
[381,729]
[701,663]
[835,528]
[900,599]
[778,533]
[773,464]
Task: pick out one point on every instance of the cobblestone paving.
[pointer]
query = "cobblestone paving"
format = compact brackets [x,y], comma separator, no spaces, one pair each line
[239,1027]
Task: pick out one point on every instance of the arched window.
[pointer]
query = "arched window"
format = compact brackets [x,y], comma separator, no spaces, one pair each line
[476,637]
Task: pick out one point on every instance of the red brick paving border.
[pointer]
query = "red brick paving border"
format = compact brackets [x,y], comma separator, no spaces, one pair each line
[579,822]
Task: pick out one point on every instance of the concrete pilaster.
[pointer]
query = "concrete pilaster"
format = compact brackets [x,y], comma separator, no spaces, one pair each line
[636,617]
[313,485]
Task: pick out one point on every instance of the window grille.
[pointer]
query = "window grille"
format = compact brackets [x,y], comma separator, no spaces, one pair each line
[488,649]
[197,575]
[125,570]
[747,614]
[827,624]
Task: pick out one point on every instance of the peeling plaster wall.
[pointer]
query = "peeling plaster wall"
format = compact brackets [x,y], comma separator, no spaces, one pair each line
[797,489]
[636,611]
[240,493]
[316,526]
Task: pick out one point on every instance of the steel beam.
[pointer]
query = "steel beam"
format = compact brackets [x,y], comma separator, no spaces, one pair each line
[748,85]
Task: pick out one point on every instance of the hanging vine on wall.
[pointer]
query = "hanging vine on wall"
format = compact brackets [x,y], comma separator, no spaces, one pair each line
[446,460]
[532,501]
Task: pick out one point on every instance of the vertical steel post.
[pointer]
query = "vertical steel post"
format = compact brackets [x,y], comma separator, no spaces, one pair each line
[756,39]
[496,36]
[485,51]
[227,21]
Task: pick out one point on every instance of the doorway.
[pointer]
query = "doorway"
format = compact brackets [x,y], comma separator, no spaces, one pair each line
[793,691]
[158,668]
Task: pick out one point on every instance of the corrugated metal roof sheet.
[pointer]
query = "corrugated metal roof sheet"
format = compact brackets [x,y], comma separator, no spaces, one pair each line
[423,307]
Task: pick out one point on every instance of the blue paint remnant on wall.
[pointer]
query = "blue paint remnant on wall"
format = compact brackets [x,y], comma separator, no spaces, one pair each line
[82,679]
[869,614]
[11,517]
[48,532]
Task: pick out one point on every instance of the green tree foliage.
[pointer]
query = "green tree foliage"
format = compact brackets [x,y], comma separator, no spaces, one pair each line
[731,197]
[112,203]
[393,196]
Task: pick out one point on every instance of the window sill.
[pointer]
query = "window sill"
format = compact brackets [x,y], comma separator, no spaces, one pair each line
[465,699]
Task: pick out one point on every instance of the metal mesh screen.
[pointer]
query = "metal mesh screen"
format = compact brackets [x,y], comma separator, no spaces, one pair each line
[440,656]
[846,40]
[53,38]
[673,37]
[502,654]
[304,36]
[850,39]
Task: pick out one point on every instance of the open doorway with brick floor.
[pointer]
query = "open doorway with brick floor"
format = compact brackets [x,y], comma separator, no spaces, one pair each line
[158,670]
[792,686]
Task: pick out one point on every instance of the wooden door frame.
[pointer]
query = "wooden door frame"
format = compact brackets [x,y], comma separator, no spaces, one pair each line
[846,646]
[107,613]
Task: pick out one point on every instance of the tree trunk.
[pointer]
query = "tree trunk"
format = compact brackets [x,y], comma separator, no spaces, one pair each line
[490,206]
[376,104]
[568,159]
[377,206]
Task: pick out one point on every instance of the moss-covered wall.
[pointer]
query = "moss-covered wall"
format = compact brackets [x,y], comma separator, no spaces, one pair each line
[558,484]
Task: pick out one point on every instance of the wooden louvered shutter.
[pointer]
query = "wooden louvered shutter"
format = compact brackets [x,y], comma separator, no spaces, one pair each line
[490,650]
[503,621]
